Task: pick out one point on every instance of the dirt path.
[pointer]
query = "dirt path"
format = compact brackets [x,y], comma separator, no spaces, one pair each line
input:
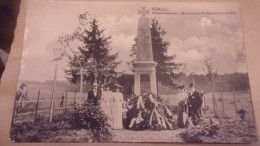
[147,136]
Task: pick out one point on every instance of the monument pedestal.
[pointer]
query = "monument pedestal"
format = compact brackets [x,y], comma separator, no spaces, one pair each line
[144,68]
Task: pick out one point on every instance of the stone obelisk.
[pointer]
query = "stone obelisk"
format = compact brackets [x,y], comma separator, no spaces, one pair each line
[144,63]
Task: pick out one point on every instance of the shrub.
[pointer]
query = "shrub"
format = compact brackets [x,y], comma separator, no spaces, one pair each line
[206,129]
[81,117]
[37,131]
[91,118]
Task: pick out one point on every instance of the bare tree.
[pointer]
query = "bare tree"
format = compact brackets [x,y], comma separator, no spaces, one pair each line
[211,75]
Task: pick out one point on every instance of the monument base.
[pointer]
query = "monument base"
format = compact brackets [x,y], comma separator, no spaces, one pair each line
[143,68]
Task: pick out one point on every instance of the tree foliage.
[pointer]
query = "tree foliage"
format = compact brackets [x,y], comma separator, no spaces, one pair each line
[210,68]
[127,81]
[239,81]
[93,56]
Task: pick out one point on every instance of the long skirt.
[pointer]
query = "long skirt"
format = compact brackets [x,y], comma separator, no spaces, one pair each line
[117,115]
[180,110]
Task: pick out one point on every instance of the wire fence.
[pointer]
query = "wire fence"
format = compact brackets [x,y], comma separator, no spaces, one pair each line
[38,103]
[33,103]
[226,103]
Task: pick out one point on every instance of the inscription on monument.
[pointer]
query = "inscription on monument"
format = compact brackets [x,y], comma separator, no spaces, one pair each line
[145,83]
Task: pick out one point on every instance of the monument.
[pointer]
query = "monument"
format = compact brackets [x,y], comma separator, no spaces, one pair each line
[144,65]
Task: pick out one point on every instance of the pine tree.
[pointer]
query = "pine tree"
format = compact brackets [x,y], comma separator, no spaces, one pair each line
[165,67]
[93,56]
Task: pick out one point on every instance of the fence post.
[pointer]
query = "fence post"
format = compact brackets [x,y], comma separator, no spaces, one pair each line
[214,104]
[75,99]
[66,100]
[235,102]
[222,99]
[204,104]
[23,98]
[37,103]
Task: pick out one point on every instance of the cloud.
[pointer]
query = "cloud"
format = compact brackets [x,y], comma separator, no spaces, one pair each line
[192,37]
[122,43]
[116,25]
[204,22]
[221,47]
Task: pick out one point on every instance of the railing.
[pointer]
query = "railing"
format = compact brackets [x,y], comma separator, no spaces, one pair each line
[227,103]
[24,113]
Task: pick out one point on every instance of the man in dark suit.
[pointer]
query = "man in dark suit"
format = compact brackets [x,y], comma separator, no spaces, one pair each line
[92,95]
[194,103]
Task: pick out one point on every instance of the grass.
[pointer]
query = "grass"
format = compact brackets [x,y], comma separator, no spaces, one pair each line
[244,131]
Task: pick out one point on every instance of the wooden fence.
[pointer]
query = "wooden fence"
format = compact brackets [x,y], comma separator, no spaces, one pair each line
[227,104]
[27,109]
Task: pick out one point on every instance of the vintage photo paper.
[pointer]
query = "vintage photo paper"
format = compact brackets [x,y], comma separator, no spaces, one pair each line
[133,72]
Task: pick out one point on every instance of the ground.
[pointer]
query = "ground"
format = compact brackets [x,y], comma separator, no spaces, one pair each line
[231,128]
[147,136]
[119,136]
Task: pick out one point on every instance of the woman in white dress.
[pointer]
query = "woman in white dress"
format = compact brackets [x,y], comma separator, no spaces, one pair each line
[117,109]
[106,103]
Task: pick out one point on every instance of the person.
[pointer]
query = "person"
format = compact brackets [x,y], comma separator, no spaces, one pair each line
[202,107]
[182,107]
[242,113]
[21,94]
[106,103]
[194,104]
[117,108]
[62,100]
[92,95]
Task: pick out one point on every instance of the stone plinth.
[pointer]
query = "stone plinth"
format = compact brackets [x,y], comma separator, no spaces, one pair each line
[144,68]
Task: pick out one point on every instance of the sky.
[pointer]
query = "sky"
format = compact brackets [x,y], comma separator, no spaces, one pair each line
[192,33]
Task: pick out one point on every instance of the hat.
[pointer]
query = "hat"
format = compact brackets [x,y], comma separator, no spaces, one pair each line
[94,84]
[181,87]
[145,93]
[117,85]
[22,85]
[191,85]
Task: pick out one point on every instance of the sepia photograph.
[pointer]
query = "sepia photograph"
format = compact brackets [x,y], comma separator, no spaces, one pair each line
[133,72]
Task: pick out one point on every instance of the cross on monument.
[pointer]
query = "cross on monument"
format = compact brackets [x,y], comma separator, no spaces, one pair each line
[143,11]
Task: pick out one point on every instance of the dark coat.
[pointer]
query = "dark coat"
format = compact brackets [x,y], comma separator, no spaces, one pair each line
[92,99]
[194,100]
[2,67]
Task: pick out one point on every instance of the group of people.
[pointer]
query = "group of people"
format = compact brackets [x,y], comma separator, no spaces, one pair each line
[189,102]
[111,102]
[147,111]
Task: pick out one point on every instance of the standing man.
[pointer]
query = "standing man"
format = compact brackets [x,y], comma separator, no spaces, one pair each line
[194,103]
[92,95]
[62,100]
